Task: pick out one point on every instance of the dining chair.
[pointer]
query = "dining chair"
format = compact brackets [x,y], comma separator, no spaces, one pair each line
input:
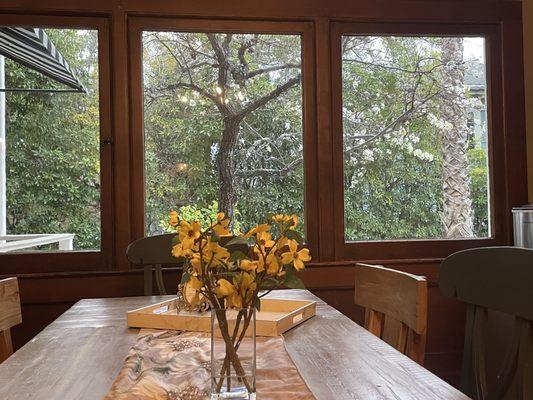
[494,279]
[10,314]
[395,304]
[152,253]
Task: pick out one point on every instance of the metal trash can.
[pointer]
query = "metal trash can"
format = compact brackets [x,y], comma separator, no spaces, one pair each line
[523,226]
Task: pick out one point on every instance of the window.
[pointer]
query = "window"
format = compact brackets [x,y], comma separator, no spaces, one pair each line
[223,126]
[415,137]
[52,147]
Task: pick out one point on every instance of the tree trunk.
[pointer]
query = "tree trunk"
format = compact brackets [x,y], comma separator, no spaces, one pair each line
[227,196]
[457,204]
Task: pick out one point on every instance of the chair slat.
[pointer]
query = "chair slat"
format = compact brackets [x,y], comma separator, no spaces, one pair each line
[395,305]
[395,333]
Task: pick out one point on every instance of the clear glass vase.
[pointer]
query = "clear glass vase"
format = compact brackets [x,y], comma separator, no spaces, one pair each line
[233,359]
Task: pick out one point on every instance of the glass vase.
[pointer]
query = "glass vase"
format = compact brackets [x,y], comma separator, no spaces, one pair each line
[233,358]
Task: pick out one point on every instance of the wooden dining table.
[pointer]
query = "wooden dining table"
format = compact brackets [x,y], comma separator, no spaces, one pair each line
[79,355]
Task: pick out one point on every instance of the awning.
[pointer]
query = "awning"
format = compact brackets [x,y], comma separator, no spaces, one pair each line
[32,47]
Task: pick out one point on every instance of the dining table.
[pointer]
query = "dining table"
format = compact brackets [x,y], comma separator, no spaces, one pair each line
[79,355]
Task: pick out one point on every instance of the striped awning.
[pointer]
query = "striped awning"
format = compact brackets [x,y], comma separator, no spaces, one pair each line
[32,47]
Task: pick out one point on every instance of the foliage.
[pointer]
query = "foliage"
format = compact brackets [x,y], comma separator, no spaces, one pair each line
[393,157]
[205,216]
[53,147]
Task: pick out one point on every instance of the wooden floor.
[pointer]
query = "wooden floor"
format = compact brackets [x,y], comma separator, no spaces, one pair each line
[79,355]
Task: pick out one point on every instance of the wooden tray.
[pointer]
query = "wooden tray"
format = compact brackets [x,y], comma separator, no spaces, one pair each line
[276,317]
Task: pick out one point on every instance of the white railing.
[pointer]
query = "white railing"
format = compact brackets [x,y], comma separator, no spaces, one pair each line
[20,242]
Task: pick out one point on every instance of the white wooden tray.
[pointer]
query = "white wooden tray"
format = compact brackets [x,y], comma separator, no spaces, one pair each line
[276,316]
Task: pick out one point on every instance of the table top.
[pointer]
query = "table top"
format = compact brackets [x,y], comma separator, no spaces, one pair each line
[79,355]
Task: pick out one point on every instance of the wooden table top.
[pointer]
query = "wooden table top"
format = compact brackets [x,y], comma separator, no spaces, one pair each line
[79,355]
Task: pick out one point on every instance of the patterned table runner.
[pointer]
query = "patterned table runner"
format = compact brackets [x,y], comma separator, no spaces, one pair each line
[170,365]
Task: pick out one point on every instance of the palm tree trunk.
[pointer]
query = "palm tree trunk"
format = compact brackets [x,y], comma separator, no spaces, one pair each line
[457,203]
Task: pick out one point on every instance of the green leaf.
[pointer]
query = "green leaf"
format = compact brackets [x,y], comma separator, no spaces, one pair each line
[293,282]
[294,235]
[237,255]
[269,283]
[175,240]
[237,241]
[257,304]
[185,277]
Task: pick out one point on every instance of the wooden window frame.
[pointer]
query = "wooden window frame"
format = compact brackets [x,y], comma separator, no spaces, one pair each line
[303,28]
[498,165]
[76,260]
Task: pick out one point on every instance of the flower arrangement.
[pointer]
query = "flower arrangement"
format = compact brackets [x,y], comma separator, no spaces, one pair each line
[234,271]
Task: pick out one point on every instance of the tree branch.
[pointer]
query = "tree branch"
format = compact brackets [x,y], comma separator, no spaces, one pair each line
[270,96]
[265,172]
[260,71]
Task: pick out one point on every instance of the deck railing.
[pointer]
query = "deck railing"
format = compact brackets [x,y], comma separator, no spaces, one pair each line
[21,242]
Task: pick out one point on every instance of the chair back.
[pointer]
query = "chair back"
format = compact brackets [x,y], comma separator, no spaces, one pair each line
[395,305]
[153,252]
[499,279]
[10,314]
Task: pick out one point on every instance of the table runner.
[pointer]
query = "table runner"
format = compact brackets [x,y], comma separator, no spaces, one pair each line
[174,365]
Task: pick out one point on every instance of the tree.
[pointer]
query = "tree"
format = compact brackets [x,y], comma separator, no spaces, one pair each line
[458,218]
[220,68]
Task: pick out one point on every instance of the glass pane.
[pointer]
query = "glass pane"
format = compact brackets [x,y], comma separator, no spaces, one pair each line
[223,126]
[52,152]
[415,138]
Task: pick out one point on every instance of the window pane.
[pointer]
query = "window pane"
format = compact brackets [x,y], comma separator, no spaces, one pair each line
[223,126]
[415,138]
[52,151]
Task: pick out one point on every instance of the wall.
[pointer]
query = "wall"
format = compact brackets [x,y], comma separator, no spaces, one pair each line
[528,72]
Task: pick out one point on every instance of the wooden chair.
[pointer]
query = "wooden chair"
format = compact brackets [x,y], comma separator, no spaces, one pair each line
[10,314]
[153,253]
[395,305]
[498,279]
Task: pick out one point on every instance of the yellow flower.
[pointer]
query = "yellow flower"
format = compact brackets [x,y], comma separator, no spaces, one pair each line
[258,229]
[282,242]
[248,265]
[216,252]
[279,218]
[245,285]
[173,219]
[196,262]
[272,264]
[224,288]
[178,251]
[297,258]
[234,301]
[222,227]
[294,218]
[189,232]
[195,283]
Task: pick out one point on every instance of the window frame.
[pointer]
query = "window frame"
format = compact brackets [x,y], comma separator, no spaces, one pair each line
[424,248]
[76,260]
[136,26]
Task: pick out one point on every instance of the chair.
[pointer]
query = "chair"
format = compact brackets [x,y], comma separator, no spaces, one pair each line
[10,314]
[153,253]
[395,305]
[494,279]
